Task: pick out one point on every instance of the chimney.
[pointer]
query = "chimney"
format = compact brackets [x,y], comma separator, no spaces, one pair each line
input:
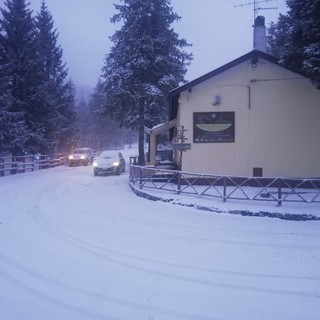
[260,34]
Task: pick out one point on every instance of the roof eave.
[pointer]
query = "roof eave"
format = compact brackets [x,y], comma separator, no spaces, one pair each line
[254,55]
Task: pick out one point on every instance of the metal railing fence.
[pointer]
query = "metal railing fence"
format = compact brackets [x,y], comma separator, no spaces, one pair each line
[277,189]
[19,164]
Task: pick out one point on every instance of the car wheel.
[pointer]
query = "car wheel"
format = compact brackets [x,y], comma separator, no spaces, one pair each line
[96,172]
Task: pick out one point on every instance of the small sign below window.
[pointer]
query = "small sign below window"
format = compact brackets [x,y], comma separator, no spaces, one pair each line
[257,172]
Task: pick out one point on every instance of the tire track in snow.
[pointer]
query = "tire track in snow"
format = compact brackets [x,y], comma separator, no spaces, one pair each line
[8,266]
[77,208]
[123,260]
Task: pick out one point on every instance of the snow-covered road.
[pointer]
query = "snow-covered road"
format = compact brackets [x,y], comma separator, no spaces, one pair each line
[75,246]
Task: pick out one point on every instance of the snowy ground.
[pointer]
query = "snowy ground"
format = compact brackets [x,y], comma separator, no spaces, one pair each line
[288,210]
[75,246]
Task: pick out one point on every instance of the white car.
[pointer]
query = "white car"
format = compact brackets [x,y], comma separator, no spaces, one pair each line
[109,162]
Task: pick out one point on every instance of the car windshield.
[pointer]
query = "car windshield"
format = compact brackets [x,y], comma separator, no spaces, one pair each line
[80,151]
[108,155]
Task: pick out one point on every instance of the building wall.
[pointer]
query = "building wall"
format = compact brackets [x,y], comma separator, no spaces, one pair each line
[277,122]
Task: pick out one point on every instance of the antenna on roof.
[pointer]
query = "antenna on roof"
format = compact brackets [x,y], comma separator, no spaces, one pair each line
[259,31]
[256,6]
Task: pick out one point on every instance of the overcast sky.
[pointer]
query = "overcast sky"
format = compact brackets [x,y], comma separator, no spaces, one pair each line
[219,30]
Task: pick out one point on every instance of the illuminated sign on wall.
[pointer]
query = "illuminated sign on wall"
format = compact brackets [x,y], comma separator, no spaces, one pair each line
[213,127]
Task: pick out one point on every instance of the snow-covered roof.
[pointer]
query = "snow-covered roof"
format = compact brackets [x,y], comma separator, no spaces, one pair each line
[161,127]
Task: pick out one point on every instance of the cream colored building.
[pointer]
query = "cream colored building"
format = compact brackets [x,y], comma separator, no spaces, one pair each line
[251,117]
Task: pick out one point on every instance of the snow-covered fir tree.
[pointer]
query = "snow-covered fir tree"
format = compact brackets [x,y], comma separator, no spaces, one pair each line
[147,60]
[12,127]
[277,34]
[298,36]
[56,92]
[36,101]
[19,69]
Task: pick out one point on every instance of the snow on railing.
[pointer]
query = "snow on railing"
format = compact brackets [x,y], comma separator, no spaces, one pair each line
[276,189]
[19,164]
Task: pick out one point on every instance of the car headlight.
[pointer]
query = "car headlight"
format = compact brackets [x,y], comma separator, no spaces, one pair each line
[116,164]
[95,163]
[71,157]
[82,157]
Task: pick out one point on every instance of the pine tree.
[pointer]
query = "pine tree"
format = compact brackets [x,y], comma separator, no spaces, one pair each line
[20,72]
[277,36]
[55,92]
[11,125]
[36,100]
[297,37]
[66,116]
[145,63]
[310,15]
[99,126]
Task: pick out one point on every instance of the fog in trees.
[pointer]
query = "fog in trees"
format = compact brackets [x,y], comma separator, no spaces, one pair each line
[95,128]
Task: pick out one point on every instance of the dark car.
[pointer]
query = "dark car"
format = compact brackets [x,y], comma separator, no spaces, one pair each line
[109,162]
[81,156]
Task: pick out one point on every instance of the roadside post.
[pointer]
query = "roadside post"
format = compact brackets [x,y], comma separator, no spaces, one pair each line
[181,146]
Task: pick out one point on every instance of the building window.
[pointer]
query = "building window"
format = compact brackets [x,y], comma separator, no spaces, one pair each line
[213,127]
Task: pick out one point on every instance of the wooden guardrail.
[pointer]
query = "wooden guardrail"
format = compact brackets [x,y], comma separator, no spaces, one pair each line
[19,164]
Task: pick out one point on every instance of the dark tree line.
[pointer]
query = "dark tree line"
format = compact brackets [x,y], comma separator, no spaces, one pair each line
[36,97]
[295,38]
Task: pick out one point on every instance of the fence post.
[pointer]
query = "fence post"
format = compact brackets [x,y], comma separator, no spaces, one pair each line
[179,182]
[224,188]
[2,167]
[140,177]
[14,166]
[279,193]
